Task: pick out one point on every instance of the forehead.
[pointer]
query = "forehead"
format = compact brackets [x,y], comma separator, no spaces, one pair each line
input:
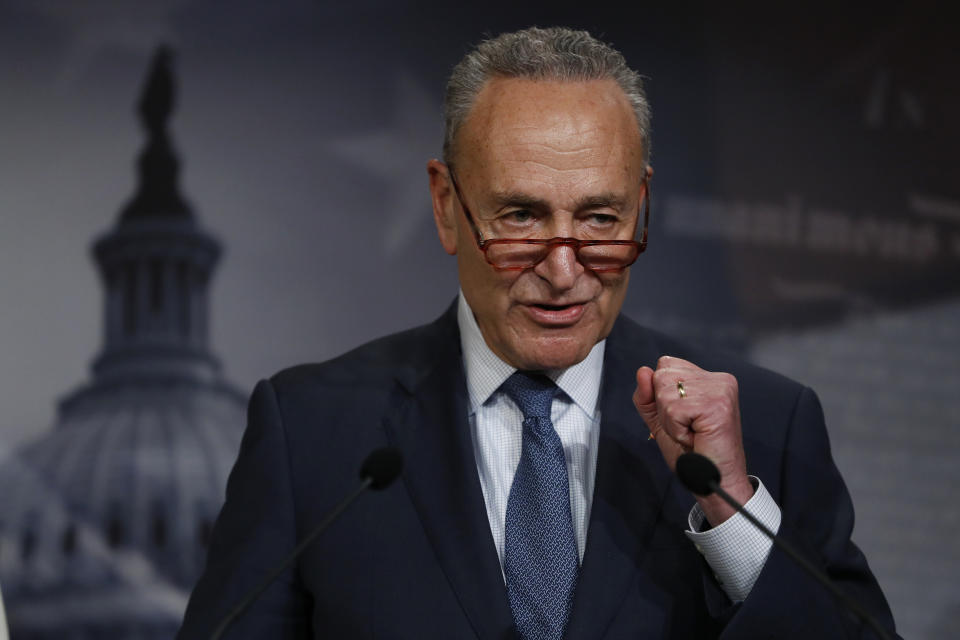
[548,126]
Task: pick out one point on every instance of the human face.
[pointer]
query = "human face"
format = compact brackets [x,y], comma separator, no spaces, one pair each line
[542,159]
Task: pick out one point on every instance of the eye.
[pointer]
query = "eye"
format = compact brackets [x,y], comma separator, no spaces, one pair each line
[519,216]
[602,219]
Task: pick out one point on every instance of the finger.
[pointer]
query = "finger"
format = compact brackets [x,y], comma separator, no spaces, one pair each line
[644,394]
[679,364]
[671,447]
[668,382]
[676,412]
[706,403]
[677,416]
[644,398]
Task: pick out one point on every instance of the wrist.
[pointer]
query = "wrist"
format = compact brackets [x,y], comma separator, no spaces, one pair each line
[716,510]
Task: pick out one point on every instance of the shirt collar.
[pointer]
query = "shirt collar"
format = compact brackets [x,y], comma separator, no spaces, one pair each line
[485,371]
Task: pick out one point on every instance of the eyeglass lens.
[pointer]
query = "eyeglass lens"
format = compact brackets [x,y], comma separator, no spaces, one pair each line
[599,257]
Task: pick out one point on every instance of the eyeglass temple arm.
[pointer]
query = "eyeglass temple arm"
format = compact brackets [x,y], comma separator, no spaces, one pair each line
[473,225]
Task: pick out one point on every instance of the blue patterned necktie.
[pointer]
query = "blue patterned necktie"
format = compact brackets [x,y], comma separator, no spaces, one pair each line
[540,551]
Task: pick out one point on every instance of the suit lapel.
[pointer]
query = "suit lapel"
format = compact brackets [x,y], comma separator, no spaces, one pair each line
[631,482]
[430,427]
[440,472]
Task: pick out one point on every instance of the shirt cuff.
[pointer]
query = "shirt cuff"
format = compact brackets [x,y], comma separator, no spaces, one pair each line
[736,550]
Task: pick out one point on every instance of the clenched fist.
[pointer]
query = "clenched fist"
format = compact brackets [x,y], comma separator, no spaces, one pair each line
[689,409]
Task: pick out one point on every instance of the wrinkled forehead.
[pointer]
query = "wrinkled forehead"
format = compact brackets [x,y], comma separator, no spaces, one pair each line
[548,126]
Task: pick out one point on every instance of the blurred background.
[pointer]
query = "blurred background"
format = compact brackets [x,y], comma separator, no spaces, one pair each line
[806,215]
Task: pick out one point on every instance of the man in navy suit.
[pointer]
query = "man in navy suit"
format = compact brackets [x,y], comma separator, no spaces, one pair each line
[534,503]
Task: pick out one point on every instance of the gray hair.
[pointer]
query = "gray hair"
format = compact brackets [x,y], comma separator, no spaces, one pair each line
[556,53]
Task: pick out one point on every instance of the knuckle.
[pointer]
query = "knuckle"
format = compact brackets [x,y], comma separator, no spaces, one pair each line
[672,411]
[730,381]
[663,362]
[724,405]
[660,378]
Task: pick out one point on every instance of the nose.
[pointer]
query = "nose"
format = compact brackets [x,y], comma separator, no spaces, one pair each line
[560,268]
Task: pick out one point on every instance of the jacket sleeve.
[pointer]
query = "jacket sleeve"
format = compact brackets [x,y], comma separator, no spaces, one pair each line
[254,532]
[818,520]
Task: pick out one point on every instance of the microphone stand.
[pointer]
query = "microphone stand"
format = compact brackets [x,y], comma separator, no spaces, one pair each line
[804,564]
[365,484]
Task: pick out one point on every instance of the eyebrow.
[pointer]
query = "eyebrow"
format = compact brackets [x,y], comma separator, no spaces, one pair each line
[518,199]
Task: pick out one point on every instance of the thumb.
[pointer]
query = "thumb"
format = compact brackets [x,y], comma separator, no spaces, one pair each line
[644,399]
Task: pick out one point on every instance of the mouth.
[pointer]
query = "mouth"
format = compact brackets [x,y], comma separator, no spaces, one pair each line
[556,315]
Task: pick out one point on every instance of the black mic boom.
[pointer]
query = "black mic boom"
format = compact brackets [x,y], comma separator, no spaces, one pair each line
[378,470]
[701,476]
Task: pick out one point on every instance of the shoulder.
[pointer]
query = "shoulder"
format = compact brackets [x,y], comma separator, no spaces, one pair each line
[634,336]
[337,406]
[404,356]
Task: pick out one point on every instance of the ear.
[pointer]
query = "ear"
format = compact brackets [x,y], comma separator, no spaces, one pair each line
[444,211]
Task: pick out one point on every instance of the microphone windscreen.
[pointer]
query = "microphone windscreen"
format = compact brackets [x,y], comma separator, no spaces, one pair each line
[697,473]
[382,466]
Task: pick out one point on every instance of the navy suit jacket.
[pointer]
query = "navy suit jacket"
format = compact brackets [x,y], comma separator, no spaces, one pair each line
[417,560]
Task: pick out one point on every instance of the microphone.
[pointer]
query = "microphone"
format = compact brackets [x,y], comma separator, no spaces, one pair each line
[701,476]
[379,469]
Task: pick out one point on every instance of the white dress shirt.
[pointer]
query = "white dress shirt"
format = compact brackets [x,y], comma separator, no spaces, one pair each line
[734,550]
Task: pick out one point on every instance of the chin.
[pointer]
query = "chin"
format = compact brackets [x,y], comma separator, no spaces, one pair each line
[555,354]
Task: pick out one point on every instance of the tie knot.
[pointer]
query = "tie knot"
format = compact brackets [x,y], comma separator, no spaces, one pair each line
[532,392]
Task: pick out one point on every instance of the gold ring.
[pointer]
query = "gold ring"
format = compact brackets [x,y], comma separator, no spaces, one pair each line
[653,434]
[680,389]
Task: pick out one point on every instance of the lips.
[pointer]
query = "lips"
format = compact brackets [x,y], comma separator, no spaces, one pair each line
[555,315]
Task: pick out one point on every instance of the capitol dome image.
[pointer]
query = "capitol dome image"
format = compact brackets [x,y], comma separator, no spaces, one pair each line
[104,519]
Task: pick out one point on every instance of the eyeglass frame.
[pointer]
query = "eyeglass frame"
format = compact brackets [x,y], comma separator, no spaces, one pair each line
[484,244]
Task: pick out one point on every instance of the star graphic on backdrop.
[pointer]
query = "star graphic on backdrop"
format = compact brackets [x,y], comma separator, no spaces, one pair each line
[397,155]
[887,100]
